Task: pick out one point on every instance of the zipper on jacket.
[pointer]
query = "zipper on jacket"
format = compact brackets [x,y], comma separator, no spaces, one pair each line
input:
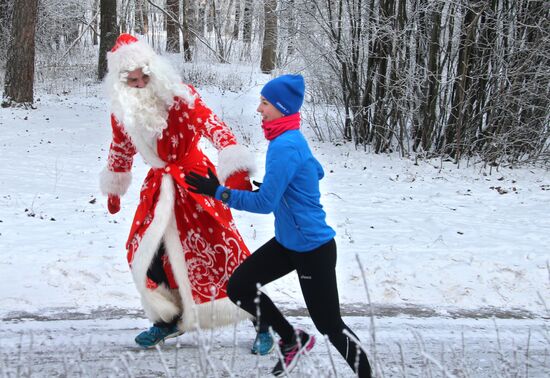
[290,213]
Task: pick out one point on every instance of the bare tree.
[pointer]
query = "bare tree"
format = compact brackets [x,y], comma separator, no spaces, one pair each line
[5,13]
[124,19]
[216,25]
[247,21]
[19,80]
[201,16]
[172,30]
[291,28]
[6,7]
[141,18]
[94,27]
[210,13]
[188,22]
[269,46]
[109,34]
[424,128]
[237,21]
[221,58]
[458,79]
[191,10]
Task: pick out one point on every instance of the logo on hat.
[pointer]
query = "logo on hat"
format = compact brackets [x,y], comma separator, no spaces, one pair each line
[281,107]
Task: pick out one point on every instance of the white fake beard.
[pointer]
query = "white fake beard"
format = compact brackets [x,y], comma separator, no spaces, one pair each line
[141,108]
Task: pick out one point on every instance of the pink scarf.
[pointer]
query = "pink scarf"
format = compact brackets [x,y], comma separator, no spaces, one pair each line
[272,129]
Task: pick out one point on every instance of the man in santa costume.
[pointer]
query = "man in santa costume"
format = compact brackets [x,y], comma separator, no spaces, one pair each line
[182,246]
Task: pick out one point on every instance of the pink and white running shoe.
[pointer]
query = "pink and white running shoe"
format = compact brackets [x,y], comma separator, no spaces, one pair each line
[290,353]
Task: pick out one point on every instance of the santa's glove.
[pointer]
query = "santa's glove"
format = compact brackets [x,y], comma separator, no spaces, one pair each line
[203,185]
[238,180]
[113,203]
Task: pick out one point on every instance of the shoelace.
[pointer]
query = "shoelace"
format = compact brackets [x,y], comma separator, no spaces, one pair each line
[290,353]
[157,331]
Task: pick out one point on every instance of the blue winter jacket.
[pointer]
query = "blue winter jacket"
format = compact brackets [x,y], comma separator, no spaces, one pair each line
[290,190]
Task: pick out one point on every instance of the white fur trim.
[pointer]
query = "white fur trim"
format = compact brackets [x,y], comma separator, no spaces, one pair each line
[140,138]
[114,182]
[157,305]
[233,159]
[162,303]
[129,57]
[207,315]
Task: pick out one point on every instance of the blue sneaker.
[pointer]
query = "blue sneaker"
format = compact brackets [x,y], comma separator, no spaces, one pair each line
[263,344]
[157,334]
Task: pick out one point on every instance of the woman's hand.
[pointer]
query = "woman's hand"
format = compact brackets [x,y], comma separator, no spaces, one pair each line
[203,185]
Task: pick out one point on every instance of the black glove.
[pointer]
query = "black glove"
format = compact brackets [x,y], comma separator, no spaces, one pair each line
[203,185]
[258,184]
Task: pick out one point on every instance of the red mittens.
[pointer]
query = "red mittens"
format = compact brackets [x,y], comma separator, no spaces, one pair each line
[238,180]
[113,203]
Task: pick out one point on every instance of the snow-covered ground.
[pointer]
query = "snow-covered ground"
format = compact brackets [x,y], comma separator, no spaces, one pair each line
[405,347]
[434,241]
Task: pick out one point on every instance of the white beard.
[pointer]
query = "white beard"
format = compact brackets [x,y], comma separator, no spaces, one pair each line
[140,109]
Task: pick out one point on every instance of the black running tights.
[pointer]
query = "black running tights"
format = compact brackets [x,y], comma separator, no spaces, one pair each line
[317,275]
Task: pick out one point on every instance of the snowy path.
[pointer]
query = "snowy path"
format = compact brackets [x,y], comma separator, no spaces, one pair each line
[105,348]
[440,247]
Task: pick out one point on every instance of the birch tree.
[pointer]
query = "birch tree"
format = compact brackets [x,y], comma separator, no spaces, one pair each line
[247,21]
[141,18]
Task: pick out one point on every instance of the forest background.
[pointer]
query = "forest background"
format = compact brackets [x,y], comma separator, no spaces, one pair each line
[449,78]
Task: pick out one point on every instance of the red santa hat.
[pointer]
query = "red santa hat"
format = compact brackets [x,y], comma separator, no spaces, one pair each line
[128,54]
[123,39]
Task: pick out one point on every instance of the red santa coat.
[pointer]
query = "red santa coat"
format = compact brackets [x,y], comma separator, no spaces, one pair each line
[203,246]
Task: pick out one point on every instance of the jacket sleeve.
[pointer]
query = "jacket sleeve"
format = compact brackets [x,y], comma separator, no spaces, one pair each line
[116,176]
[282,163]
[233,158]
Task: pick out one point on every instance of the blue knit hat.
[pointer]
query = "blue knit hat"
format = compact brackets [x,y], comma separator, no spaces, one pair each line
[286,93]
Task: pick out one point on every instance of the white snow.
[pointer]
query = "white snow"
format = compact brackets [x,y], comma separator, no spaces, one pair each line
[433,239]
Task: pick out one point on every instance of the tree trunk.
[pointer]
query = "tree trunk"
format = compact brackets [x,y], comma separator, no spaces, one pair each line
[124,24]
[192,20]
[94,27]
[431,85]
[455,127]
[269,46]
[6,8]
[217,27]
[172,30]
[292,28]
[381,108]
[108,34]
[187,20]
[210,15]
[5,14]
[201,17]
[237,20]
[19,80]
[140,17]
[247,21]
